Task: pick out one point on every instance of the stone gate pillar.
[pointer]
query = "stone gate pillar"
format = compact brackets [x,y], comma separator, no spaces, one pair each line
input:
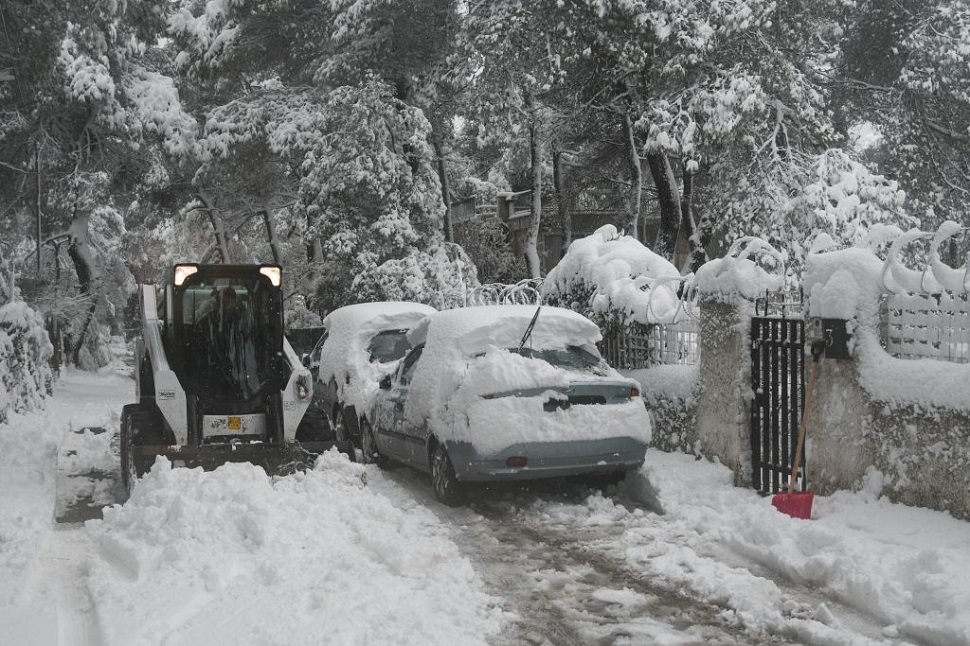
[723,410]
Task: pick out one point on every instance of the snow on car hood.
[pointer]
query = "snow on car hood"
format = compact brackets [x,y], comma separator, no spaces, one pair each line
[344,354]
[450,379]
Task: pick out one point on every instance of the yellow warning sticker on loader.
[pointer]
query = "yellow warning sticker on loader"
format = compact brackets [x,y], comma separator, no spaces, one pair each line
[234,423]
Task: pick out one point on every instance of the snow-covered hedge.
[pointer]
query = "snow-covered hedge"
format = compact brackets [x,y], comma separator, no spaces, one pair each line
[613,280]
[25,349]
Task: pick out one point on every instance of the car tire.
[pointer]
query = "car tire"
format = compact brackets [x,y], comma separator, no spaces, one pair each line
[370,454]
[604,481]
[340,424]
[447,489]
[345,424]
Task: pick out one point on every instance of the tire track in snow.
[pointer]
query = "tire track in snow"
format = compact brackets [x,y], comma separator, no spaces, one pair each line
[562,592]
[77,622]
[591,587]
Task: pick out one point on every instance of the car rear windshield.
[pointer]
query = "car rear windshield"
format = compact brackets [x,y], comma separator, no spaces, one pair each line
[389,345]
[571,358]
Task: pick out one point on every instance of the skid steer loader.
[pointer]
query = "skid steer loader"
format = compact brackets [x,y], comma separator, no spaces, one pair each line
[216,379]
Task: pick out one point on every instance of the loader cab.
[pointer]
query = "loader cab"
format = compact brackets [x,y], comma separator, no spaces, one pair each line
[224,331]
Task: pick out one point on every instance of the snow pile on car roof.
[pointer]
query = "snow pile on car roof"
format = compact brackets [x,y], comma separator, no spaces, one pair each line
[233,556]
[621,276]
[473,329]
[345,354]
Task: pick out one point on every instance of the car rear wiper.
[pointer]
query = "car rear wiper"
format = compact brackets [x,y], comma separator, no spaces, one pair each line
[528,330]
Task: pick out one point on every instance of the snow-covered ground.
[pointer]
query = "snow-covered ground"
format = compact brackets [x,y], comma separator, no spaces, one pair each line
[235,557]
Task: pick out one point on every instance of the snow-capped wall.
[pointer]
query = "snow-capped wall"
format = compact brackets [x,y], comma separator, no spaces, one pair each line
[741,274]
[907,419]
[874,418]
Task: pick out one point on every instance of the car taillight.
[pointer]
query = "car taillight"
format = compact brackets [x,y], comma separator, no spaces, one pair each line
[634,393]
[516,461]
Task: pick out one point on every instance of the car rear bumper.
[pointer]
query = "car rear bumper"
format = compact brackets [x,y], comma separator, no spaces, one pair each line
[547,459]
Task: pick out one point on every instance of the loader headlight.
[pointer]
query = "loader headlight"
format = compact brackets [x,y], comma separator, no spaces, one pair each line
[275,274]
[303,389]
[184,271]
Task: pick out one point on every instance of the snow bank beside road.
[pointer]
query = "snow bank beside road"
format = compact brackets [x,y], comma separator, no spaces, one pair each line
[232,556]
[907,569]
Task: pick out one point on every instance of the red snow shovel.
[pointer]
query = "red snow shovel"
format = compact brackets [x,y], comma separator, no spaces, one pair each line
[798,504]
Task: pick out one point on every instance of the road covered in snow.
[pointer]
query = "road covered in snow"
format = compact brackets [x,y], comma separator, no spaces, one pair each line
[347,554]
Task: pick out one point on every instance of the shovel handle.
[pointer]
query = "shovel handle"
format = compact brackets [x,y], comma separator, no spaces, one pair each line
[817,349]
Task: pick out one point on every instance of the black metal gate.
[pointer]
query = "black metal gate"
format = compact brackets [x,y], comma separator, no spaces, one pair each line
[777,379]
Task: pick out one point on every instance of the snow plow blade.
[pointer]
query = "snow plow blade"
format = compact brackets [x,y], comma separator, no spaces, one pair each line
[274,459]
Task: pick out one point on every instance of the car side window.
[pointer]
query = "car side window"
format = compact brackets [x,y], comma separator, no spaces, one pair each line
[409,365]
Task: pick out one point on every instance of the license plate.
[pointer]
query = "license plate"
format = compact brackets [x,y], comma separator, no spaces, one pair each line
[234,424]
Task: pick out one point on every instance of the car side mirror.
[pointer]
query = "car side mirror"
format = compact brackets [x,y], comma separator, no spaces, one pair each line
[305,360]
[385,383]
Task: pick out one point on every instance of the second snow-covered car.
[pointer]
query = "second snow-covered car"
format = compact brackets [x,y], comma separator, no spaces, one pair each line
[506,393]
[362,344]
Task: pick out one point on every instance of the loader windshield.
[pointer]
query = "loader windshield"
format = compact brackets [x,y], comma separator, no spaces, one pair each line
[230,329]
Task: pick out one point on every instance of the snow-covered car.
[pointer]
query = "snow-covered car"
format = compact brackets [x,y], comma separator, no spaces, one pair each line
[362,344]
[503,393]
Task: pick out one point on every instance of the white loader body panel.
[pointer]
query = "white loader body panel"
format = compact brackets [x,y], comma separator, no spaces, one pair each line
[294,407]
[169,394]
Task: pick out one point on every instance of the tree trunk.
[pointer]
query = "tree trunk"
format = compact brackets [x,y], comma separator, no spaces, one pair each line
[535,157]
[86,274]
[217,228]
[636,176]
[37,207]
[271,237]
[439,151]
[697,236]
[565,217]
[667,196]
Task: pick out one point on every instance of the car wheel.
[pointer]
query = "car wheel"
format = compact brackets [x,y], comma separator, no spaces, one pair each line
[604,481]
[447,488]
[340,424]
[368,445]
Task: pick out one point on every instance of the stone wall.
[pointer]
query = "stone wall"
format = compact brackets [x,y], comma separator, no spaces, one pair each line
[922,452]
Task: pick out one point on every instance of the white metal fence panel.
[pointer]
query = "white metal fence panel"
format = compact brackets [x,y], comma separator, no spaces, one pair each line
[923,326]
[667,344]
